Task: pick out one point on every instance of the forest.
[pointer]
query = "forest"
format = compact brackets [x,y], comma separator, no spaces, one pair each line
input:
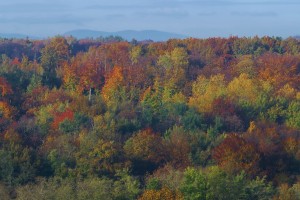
[108,119]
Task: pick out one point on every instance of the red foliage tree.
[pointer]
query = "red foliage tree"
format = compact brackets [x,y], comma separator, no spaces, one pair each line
[223,107]
[235,154]
[277,146]
[61,116]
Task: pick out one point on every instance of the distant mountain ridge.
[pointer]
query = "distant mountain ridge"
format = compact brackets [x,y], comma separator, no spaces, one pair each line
[17,36]
[126,34]
[297,37]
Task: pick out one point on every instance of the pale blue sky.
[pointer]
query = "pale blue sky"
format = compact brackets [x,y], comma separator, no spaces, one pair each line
[197,18]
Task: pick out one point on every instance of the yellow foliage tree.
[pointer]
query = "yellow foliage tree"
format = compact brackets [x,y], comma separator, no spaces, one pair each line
[245,65]
[174,64]
[5,110]
[164,193]
[206,90]
[243,89]
[287,91]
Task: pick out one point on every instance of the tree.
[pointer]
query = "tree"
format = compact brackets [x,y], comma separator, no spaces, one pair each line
[59,117]
[194,185]
[175,65]
[245,65]
[146,146]
[293,114]
[288,193]
[213,183]
[113,92]
[177,146]
[135,53]
[279,70]
[277,147]
[89,71]
[5,88]
[54,54]
[243,89]
[97,156]
[205,91]
[235,155]
[35,82]
[16,165]
[163,193]
[6,110]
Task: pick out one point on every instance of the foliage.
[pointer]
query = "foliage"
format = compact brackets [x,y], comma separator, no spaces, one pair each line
[104,118]
[235,155]
[216,184]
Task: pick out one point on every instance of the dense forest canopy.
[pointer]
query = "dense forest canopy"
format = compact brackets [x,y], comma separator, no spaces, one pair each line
[215,118]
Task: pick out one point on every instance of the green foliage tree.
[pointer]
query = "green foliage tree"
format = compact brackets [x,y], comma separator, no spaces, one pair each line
[194,185]
[216,184]
[293,114]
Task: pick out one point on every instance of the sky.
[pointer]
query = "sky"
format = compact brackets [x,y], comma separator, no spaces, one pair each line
[194,18]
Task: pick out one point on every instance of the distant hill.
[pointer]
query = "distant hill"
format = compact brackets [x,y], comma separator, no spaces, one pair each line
[17,36]
[297,37]
[127,34]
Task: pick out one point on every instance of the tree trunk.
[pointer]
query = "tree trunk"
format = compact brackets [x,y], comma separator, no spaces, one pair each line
[90,94]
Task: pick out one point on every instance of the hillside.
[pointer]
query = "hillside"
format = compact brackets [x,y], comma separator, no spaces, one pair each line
[215,118]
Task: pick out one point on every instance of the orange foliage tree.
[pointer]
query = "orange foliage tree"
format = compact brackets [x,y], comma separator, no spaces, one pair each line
[279,70]
[113,90]
[84,72]
[5,87]
[5,108]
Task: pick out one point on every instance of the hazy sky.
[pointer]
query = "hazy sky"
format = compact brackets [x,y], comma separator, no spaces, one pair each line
[197,18]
